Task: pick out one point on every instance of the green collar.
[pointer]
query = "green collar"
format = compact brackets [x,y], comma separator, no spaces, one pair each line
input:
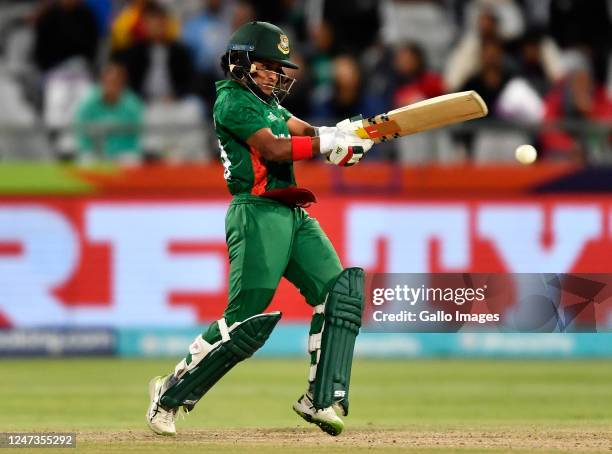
[234,85]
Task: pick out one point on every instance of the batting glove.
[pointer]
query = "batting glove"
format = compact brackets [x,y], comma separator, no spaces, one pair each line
[350,125]
[347,149]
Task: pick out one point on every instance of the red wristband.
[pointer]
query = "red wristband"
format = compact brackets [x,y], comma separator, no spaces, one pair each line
[301,147]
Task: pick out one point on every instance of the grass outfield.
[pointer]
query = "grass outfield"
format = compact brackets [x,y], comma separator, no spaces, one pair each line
[403,405]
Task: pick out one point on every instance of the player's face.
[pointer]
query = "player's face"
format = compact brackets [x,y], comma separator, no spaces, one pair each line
[266,75]
[113,82]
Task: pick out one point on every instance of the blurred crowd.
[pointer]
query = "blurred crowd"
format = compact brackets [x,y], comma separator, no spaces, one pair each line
[133,80]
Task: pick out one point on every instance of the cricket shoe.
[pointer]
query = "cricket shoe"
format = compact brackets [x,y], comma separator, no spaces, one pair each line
[159,418]
[326,418]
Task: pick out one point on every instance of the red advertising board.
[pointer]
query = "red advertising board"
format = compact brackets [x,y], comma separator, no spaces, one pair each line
[144,261]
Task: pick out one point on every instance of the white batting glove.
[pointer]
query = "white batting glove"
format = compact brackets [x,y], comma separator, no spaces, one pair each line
[350,125]
[348,149]
[323,130]
[327,138]
[329,135]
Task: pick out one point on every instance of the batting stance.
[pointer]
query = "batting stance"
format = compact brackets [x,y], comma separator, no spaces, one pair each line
[269,235]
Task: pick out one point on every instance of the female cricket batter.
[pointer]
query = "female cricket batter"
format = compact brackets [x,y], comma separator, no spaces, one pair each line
[269,235]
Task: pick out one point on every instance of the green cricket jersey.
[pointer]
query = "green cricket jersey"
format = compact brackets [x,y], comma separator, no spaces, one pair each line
[238,114]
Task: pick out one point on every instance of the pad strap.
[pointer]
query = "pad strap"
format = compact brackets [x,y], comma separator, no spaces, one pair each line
[223,330]
[198,349]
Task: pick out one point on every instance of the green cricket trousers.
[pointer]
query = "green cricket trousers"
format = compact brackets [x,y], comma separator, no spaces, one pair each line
[266,241]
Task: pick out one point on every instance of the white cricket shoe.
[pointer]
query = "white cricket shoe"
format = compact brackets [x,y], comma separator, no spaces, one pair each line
[159,419]
[326,418]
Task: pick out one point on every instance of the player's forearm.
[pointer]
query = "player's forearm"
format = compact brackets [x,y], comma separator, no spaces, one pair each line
[298,127]
[273,148]
[291,149]
[310,131]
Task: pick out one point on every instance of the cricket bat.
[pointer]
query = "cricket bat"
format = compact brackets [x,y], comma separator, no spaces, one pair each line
[422,116]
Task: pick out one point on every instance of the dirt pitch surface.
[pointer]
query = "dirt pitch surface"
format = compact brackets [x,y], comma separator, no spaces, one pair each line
[416,406]
[302,440]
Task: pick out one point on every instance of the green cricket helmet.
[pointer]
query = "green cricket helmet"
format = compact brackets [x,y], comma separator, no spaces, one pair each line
[263,41]
[259,41]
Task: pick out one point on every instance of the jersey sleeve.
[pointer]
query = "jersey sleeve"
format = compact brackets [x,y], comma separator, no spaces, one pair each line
[241,119]
[285,113]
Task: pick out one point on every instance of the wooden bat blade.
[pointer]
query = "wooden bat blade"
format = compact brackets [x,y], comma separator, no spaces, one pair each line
[424,115]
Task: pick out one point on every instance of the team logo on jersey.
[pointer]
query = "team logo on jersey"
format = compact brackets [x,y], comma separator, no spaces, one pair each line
[283,45]
[272,117]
